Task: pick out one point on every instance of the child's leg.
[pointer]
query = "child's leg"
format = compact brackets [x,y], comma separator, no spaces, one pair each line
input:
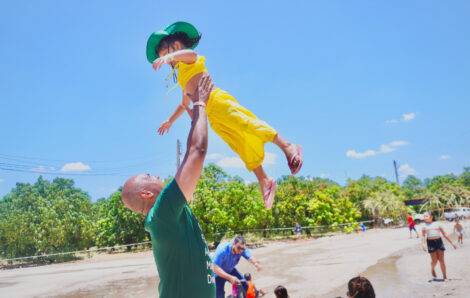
[268,186]
[263,179]
[433,263]
[288,148]
[440,256]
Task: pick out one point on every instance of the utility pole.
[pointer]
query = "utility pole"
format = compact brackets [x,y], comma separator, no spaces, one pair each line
[396,171]
[178,153]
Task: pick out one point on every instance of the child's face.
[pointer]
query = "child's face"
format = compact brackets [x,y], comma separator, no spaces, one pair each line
[168,49]
[427,218]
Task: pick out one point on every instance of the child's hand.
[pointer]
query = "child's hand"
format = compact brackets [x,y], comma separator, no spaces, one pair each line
[165,126]
[157,64]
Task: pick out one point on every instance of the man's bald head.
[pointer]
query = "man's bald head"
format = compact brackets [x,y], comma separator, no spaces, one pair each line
[140,192]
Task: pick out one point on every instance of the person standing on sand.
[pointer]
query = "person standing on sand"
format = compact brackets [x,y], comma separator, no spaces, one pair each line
[179,247]
[459,229]
[298,230]
[432,237]
[411,225]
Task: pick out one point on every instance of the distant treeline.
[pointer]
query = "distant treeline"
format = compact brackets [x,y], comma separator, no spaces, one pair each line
[50,217]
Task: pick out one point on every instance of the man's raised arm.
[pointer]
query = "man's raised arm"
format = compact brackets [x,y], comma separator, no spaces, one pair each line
[191,168]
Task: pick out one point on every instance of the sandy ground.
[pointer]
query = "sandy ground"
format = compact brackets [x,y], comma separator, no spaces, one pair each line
[395,264]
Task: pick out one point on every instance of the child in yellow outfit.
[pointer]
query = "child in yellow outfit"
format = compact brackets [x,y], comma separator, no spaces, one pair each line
[236,125]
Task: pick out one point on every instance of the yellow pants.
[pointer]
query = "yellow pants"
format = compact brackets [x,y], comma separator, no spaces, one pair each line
[239,128]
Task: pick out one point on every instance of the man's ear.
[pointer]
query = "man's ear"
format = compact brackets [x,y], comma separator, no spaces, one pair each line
[146,195]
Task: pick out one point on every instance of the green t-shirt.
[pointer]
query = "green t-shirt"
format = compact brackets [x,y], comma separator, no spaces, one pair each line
[179,247]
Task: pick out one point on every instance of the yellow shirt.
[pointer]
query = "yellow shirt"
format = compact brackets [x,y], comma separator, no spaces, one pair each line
[187,71]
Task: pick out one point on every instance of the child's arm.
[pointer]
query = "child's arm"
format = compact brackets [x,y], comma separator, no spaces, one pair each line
[165,125]
[185,56]
[186,102]
[447,237]
[423,239]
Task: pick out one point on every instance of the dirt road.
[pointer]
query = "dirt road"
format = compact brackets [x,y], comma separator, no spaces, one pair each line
[395,264]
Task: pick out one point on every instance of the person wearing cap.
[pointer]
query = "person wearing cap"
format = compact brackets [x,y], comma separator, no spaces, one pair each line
[179,247]
[236,125]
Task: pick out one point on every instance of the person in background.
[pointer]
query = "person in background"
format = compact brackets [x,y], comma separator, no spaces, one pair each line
[459,229]
[281,292]
[432,237]
[252,292]
[226,257]
[411,225]
[298,230]
[360,287]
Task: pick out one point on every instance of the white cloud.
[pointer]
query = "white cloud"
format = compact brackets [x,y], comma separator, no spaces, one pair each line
[386,149]
[75,167]
[405,170]
[323,175]
[353,153]
[408,117]
[43,169]
[231,162]
[383,149]
[213,156]
[2,180]
[398,143]
[445,157]
[404,118]
[269,158]
[248,182]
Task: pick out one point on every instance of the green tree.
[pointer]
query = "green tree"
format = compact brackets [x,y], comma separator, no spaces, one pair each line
[44,218]
[414,187]
[465,177]
[115,224]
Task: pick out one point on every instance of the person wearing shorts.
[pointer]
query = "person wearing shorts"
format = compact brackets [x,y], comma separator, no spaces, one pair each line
[411,225]
[435,247]
[459,229]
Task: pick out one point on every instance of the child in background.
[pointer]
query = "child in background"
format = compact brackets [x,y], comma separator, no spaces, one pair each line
[236,125]
[432,238]
[459,229]
[411,225]
[360,287]
[298,230]
[252,292]
[281,292]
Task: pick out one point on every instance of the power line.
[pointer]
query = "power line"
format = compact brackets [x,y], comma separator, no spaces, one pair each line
[33,165]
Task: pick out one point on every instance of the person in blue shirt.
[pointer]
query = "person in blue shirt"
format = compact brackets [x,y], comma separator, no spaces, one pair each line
[363,227]
[226,257]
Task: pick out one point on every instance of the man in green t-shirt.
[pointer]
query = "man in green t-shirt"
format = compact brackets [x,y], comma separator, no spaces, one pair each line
[179,247]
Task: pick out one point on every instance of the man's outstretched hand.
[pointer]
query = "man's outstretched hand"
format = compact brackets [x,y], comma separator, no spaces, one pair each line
[203,90]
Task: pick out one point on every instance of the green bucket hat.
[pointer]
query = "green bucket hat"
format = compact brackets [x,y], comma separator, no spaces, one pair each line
[156,37]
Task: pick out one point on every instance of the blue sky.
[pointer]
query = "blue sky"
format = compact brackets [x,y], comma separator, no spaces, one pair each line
[357,83]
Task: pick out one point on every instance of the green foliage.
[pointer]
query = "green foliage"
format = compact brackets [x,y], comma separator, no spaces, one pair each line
[115,224]
[45,218]
[49,217]
[370,194]
[224,204]
[414,188]
[447,196]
